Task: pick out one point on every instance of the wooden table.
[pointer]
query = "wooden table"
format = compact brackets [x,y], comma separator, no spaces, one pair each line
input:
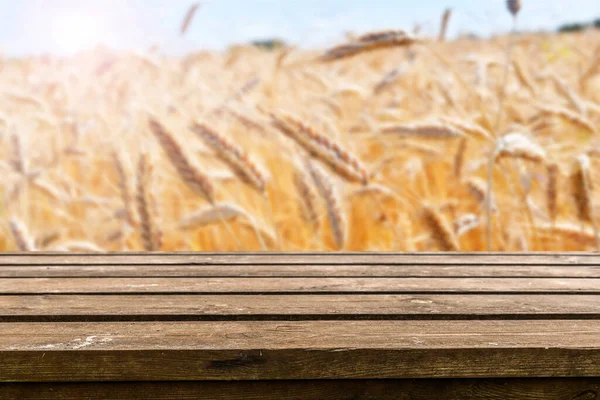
[328,326]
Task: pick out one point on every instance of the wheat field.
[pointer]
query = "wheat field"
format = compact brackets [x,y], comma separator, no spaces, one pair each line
[362,147]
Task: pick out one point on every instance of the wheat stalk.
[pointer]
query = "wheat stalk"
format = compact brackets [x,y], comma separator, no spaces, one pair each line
[191,176]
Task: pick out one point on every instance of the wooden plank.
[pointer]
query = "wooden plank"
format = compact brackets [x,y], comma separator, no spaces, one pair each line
[156,271]
[165,351]
[389,389]
[296,285]
[292,308]
[301,258]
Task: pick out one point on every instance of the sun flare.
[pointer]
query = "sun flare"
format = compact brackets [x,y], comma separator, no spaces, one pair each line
[73,32]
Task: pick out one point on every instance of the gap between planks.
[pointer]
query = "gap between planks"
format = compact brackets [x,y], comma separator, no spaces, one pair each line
[389,389]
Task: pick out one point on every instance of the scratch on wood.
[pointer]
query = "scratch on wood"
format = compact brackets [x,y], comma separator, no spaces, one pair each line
[243,360]
[74,344]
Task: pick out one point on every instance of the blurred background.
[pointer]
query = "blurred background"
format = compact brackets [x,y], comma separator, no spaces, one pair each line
[66,26]
[159,125]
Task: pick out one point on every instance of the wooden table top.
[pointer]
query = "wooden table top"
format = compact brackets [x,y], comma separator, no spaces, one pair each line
[282,319]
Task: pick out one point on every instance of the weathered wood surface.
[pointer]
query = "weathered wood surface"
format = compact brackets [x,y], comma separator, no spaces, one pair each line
[351,326]
[296,285]
[388,389]
[295,308]
[302,258]
[298,350]
[297,270]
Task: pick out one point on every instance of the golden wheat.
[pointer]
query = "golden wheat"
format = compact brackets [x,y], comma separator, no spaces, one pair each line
[396,125]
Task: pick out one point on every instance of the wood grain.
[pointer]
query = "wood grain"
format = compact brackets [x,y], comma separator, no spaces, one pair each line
[297,285]
[295,308]
[351,326]
[391,389]
[252,350]
[297,270]
[301,258]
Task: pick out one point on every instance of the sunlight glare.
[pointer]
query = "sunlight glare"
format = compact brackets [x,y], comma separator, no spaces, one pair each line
[72,32]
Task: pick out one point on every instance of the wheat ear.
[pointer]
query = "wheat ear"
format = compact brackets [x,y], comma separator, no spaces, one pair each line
[21,235]
[459,158]
[367,43]
[124,188]
[444,25]
[307,199]
[552,191]
[519,146]
[591,71]
[478,189]
[342,162]
[232,155]
[189,16]
[424,130]
[581,190]
[328,192]
[146,206]
[523,77]
[572,117]
[193,178]
[441,230]
[514,6]
[570,232]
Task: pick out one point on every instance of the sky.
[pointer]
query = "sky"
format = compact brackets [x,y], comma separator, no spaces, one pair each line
[66,26]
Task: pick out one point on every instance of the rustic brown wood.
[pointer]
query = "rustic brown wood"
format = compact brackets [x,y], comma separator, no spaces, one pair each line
[292,308]
[297,285]
[297,270]
[423,389]
[302,258]
[323,326]
[251,350]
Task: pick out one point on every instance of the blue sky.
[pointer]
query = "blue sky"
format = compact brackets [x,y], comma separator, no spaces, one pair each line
[65,26]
